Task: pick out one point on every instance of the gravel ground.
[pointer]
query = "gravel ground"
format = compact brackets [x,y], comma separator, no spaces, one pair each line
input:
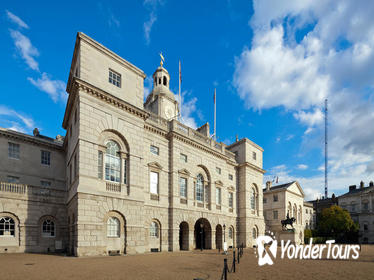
[181,265]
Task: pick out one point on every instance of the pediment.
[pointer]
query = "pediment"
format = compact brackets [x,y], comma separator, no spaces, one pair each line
[296,188]
[184,171]
[218,182]
[231,188]
[155,165]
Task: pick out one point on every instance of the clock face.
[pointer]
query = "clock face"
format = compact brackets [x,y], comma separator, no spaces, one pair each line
[168,111]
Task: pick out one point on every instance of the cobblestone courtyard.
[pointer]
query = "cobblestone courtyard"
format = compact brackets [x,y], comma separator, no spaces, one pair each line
[182,265]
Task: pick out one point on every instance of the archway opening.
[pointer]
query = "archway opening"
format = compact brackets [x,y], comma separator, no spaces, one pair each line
[183,236]
[203,234]
[219,237]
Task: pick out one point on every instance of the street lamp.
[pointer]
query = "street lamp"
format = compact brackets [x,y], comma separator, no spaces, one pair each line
[201,236]
[224,235]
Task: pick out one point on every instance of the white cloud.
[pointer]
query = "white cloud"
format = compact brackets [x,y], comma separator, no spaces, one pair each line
[290,137]
[333,59]
[302,166]
[15,19]
[188,108]
[14,120]
[148,27]
[26,49]
[54,88]
[152,6]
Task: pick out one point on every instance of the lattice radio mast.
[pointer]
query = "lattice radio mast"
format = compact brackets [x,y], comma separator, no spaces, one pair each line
[326,151]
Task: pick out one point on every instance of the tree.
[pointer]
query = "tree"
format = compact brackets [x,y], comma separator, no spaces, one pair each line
[337,223]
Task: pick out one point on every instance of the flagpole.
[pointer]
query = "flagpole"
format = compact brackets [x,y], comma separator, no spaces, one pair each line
[180,99]
[215,135]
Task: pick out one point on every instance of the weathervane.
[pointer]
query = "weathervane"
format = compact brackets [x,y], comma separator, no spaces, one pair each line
[162,59]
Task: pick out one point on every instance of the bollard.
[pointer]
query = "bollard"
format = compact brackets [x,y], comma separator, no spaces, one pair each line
[225,269]
[233,260]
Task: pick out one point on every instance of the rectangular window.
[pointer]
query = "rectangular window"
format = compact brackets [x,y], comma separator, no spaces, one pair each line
[71,173]
[75,115]
[218,170]
[183,158]
[114,78]
[46,157]
[275,198]
[75,166]
[264,200]
[365,206]
[199,191]
[153,183]
[154,150]
[100,165]
[366,227]
[183,187]
[13,150]
[13,179]
[218,196]
[125,171]
[112,168]
[231,177]
[231,200]
[254,156]
[275,215]
[45,183]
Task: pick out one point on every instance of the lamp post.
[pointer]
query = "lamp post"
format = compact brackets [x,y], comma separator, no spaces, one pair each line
[201,236]
[224,235]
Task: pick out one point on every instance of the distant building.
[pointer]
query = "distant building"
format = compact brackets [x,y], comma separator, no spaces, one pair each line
[320,204]
[287,199]
[360,204]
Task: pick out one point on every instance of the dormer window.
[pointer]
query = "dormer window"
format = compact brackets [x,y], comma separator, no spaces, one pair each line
[114,78]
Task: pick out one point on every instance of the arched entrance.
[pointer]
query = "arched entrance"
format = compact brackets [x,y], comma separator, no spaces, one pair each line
[219,237]
[203,234]
[183,236]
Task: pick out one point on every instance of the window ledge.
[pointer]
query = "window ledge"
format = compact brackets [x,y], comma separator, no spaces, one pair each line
[154,196]
[183,200]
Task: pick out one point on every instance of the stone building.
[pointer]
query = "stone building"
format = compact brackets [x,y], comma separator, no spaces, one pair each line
[285,200]
[128,177]
[360,204]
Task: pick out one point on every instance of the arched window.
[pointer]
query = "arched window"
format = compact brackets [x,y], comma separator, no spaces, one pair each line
[153,230]
[48,228]
[295,213]
[200,188]
[113,227]
[7,226]
[165,81]
[253,199]
[254,233]
[112,162]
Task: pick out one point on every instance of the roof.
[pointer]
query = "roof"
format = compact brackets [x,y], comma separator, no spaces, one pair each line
[358,191]
[283,186]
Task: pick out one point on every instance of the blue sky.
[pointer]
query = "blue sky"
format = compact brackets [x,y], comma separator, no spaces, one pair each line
[273,64]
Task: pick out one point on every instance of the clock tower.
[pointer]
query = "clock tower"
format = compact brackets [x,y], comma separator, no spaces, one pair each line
[161,100]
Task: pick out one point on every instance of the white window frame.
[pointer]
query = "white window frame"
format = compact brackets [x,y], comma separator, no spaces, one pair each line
[183,158]
[154,229]
[200,188]
[114,78]
[45,157]
[231,200]
[7,224]
[113,227]
[48,228]
[154,179]
[218,195]
[13,150]
[183,188]
[154,150]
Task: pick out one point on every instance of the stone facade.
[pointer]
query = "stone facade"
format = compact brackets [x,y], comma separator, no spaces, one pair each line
[285,200]
[360,204]
[128,177]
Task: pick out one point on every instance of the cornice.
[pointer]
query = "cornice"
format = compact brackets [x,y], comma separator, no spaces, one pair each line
[30,139]
[80,85]
[247,164]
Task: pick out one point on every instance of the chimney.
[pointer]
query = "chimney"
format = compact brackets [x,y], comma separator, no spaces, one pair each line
[36,132]
[361,185]
[371,184]
[237,138]
[352,188]
[268,185]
